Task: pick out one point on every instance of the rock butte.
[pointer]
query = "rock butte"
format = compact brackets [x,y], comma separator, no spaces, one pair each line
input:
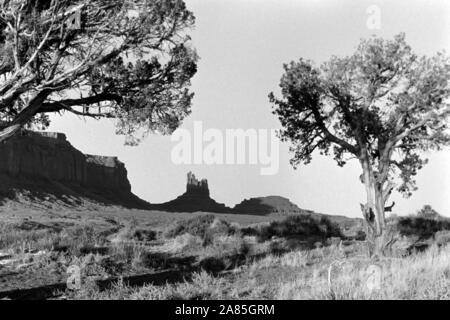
[196,198]
[43,164]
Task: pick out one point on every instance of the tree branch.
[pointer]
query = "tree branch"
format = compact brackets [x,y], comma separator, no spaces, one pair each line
[68,103]
[344,144]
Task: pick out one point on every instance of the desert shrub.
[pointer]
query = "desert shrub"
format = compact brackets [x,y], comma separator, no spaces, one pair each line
[251,231]
[182,244]
[225,253]
[227,246]
[302,226]
[196,226]
[360,235]
[144,235]
[139,257]
[217,264]
[112,266]
[79,240]
[278,246]
[415,233]
[132,233]
[213,264]
[154,260]
[216,229]
[422,228]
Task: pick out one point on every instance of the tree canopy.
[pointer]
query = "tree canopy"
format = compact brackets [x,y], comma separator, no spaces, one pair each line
[382,99]
[127,60]
[383,105]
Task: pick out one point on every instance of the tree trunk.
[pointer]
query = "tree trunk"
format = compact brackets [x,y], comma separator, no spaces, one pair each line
[373,211]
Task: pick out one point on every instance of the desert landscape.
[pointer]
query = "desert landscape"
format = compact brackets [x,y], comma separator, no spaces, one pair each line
[224,150]
[126,248]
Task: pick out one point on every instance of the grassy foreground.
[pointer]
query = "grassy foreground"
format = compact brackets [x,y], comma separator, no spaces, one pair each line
[209,258]
[305,275]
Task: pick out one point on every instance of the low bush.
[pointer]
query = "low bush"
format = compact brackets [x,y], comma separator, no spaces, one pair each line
[360,236]
[144,235]
[423,228]
[196,226]
[79,240]
[154,260]
[206,227]
[216,229]
[301,226]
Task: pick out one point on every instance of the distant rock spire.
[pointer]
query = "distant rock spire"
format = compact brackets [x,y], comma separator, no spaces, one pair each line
[194,186]
[196,198]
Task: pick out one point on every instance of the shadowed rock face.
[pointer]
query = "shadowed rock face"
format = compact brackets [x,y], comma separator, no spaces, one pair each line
[274,205]
[48,163]
[196,198]
[196,187]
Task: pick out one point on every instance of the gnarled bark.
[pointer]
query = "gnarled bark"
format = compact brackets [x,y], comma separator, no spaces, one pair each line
[374,209]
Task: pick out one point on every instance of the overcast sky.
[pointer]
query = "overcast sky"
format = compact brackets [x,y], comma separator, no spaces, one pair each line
[242,46]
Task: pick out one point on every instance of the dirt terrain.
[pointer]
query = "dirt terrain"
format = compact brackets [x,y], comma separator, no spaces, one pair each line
[108,220]
[105,215]
[140,254]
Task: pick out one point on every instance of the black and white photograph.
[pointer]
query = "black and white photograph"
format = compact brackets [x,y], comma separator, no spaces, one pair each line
[243,151]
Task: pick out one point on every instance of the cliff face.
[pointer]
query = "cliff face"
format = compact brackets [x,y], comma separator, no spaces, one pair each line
[47,162]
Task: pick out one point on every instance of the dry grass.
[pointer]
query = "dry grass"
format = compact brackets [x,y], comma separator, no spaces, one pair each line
[201,287]
[235,263]
[304,275]
[421,276]
[16,239]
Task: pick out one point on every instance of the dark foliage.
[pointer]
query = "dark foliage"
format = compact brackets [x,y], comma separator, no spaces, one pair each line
[144,235]
[302,226]
[424,228]
[360,236]
[127,60]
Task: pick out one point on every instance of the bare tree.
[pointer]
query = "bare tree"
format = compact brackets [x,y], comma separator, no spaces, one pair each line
[383,106]
[128,60]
